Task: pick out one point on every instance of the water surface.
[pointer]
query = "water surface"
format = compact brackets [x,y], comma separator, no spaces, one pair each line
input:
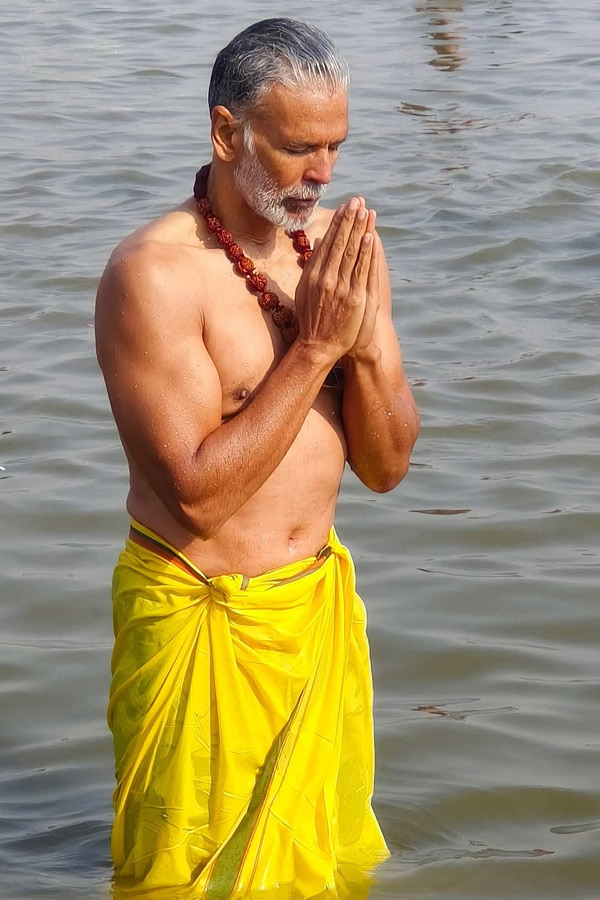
[475,135]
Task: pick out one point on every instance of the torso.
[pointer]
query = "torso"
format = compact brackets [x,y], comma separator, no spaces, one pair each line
[289,517]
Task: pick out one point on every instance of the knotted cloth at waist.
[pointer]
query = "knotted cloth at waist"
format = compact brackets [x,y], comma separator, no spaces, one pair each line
[241,710]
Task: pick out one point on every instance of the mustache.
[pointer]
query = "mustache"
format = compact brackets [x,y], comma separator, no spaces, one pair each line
[307,192]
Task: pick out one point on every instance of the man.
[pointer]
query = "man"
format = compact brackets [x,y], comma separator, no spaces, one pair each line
[241,695]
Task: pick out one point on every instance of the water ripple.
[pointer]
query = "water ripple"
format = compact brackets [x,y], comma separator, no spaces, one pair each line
[475,135]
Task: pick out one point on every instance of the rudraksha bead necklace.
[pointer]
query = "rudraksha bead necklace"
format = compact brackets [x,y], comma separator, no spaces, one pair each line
[256,282]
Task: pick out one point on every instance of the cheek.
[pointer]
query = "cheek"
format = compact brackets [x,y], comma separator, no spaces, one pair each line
[289,171]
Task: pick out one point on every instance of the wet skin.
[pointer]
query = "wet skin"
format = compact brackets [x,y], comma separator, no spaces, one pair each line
[235,449]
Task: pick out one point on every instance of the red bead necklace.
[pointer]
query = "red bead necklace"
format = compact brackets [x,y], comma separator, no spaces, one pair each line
[256,282]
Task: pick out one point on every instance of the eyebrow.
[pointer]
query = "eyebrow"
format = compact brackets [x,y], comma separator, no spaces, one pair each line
[298,145]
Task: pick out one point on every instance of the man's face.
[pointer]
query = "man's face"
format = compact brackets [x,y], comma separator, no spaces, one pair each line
[287,163]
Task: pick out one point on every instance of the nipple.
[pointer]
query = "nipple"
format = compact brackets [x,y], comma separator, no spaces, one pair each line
[241,393]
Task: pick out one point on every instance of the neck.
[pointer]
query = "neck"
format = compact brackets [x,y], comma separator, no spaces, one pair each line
[256,282]
[234,212]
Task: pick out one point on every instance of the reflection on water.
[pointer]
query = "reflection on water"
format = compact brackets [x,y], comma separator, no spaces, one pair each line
[446,34]
[480,574]
[451,118]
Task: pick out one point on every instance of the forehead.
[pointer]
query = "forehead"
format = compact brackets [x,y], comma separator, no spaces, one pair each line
[313,112]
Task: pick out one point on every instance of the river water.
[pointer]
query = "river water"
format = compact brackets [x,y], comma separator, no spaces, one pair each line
[475,134]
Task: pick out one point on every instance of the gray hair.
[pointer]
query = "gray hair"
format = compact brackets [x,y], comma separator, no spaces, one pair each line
[274,51]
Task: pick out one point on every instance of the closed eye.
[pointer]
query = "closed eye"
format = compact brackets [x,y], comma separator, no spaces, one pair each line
[302,149]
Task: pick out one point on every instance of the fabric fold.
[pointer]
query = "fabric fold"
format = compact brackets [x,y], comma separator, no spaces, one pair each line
[241,711]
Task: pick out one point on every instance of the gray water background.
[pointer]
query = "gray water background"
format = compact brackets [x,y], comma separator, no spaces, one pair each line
[475,134]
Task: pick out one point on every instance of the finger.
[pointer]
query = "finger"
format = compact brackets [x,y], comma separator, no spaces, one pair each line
[353,246]
[334,225]
[339,241]
[371,222]
[360,274]
[322,245]
[373,276]
[372,304]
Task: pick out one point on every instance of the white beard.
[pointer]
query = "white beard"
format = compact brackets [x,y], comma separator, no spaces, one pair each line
[264,197]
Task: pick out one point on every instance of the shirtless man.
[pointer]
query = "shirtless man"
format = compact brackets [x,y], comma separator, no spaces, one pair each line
[235,447]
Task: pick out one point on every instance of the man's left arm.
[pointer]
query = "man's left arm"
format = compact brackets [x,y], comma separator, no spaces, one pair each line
[381,420]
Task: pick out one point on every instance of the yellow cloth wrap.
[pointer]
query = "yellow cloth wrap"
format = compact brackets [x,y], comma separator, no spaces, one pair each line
[241,711]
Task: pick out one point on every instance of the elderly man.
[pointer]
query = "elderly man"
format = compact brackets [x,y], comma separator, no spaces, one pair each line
[248,349]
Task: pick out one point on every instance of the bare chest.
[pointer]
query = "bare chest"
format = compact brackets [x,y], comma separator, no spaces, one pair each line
[242,339]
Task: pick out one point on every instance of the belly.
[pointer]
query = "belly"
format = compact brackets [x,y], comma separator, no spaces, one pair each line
[287,519]
[290,516]
[306,482]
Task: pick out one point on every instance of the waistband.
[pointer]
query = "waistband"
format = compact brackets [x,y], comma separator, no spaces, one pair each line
[147,539]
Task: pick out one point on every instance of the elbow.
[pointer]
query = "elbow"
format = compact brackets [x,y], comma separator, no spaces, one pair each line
[384,475]
[381,480]
[398,469]
[384,482]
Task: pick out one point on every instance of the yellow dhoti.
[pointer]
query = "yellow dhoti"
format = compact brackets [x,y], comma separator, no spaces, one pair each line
[241,710]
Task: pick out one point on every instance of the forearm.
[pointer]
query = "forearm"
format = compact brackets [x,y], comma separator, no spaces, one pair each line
[236,459]
[381,422]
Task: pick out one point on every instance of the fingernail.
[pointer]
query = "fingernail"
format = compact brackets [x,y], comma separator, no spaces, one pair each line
[361,214]
[353,204]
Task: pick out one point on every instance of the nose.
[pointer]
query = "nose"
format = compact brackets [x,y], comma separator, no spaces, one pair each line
[319,168]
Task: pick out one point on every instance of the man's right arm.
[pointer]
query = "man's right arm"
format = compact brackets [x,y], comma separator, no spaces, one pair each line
[165,391]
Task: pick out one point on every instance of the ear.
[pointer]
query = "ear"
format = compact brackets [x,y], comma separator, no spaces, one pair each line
[224,133]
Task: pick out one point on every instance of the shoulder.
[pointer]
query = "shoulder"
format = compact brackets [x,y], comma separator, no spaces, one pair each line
[151,289]
[175,231]
[153,259]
